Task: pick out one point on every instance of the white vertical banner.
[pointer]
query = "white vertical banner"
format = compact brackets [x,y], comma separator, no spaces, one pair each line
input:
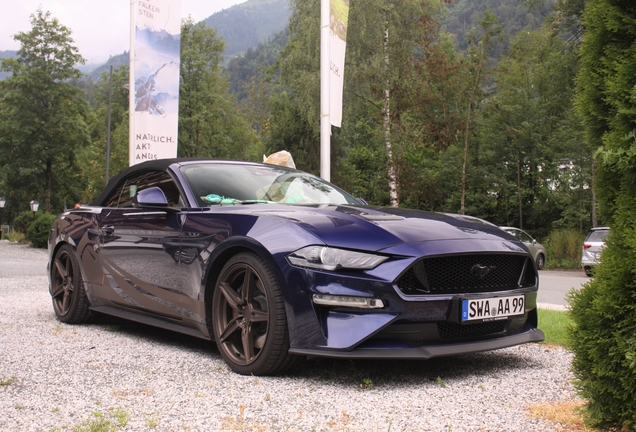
[154,79]
[338,22]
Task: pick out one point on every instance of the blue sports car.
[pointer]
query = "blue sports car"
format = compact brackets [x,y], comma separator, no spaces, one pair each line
[273,263]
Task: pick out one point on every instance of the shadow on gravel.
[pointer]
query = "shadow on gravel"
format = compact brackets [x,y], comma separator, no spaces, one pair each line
[155,334]
[380,373]
[345,372]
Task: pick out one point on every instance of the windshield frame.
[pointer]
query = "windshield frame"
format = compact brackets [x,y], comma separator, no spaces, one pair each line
[228,183]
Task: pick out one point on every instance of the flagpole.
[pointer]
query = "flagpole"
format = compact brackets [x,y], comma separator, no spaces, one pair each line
[325,122]
[131,88]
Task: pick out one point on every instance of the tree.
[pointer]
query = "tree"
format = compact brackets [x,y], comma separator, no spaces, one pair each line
[93,158]
[478,54]
[209,123]
[42,117]
[413,66]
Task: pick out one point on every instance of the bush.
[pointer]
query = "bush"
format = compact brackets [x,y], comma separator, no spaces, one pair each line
[24,220]
[603,336]
[564,248]
[38,232]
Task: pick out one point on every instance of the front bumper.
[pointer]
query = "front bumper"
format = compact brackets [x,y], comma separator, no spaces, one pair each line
[417,321]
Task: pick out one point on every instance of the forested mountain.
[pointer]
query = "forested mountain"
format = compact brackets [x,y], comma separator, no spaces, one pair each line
[513,16]
[118,60]
[246,25]
[460,22]
[241,69]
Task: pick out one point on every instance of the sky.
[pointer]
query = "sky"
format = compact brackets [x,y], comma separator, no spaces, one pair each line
[99,28]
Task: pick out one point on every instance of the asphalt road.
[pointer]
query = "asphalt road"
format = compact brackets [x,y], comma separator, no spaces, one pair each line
[555,284]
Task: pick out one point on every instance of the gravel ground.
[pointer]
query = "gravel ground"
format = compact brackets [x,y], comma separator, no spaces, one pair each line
[131,377]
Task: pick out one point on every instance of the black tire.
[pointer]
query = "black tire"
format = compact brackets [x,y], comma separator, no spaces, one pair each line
[67,289]
[540,262]
[248,318]
[588,271]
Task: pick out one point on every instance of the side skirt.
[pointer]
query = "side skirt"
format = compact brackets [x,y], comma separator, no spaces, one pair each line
[145,319]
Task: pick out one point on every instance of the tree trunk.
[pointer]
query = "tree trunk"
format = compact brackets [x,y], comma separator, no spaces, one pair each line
[519,190]
[393,191]
[47,187]
[594,212]
[471,96]
[463,199]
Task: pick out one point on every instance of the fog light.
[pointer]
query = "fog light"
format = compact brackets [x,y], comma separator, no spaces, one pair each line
[357,302]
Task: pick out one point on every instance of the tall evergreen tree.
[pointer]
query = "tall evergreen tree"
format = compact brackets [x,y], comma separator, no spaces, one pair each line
[477,59]
[532,157]
[603,337]
[210,125]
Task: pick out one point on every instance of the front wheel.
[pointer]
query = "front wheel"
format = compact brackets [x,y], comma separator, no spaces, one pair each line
[67,289]
[248,317]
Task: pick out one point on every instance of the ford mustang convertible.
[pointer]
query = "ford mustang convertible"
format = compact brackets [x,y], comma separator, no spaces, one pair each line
[273,263]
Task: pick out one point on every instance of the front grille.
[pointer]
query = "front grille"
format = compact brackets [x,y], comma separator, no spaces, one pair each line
[449,330]
[475,273]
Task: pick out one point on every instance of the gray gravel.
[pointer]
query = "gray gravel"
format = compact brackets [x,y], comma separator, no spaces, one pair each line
[132,377]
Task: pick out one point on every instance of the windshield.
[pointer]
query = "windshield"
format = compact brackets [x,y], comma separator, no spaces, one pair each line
[219,184]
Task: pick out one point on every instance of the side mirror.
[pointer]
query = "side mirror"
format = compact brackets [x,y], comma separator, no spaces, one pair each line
[151,197]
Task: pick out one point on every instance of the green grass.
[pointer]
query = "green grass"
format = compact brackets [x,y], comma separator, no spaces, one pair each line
[14,237]
[554,324]
[6,381]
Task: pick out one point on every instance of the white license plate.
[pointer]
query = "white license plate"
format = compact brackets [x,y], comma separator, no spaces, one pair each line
[488,309]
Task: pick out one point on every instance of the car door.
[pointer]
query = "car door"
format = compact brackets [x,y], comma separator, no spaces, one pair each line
[141,250]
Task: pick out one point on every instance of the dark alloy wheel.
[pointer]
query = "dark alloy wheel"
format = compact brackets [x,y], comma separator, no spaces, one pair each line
[248,316]
[540,262]
[67,290]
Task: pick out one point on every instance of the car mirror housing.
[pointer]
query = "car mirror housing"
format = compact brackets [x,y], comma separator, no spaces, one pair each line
[151,197]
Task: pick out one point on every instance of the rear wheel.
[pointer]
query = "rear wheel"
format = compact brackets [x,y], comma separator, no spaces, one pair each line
[540,262]
[67,289]
[248,317]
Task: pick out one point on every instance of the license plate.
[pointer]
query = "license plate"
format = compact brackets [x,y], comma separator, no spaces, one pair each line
[490,309]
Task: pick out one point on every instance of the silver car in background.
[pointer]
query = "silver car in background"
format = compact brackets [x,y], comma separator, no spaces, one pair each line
[536,249]
[592,246]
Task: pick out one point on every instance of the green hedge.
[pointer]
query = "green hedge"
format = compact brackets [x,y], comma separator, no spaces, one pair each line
[24,220]
[603,336]
[38,232]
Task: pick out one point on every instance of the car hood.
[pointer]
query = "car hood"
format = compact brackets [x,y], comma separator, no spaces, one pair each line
[377,228]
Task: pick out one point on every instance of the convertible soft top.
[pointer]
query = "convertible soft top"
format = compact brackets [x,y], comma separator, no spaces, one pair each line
[152,165]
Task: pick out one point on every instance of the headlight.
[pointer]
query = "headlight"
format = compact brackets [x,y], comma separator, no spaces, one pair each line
[327,258]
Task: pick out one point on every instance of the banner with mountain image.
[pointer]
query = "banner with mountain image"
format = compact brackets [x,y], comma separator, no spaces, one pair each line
[154,79]
[339,17]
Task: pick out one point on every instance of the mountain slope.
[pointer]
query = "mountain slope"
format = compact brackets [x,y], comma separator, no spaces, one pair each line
[245,25]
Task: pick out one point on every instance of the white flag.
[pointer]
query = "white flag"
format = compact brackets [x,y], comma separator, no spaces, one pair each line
[154,79]
[339,16]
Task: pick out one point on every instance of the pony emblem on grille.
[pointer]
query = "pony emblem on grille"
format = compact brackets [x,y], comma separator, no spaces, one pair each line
[480,271]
